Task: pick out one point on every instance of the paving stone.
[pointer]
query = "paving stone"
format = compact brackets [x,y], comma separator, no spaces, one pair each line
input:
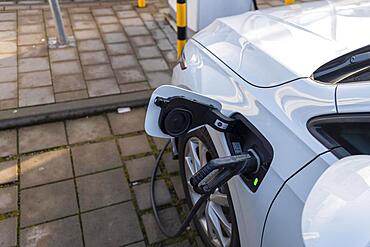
[110,28]
[151,25]
[170,56]
[136,30]
[8,171]
[60,233]
[102,87]
[34,79]
[8,35]
[134,87]
[8,16]
[64,68]
[123,61]
[8,199]
[81,25]
[102,11]
[90,45]
[156,64]
[148,52]
[102,189]
[35,96]
[87,129]
[8,104]
[79,10]
[71,82]
[119,48]
[122,7]
[134,145]
[110,38]
[106,20]
[8,47]
[128,122]
[8,143]
[82,17]
[184,243]
[33,64]
[171,164]
[45,168]
[98,71]
[86,34]
[8,232]
[146,16]
[164,45]
[140,244]
[141,168]
[96,57]
[142,193]
[158,34]
[32,51]
[28,20]
[8,60]
[53,136]
[73,95]
[169,218]
[132,22]
[130,75]
[48,202]
[58,55]
[8,26]
[113,226]
[158,78]
[142,40]
[29,12]
[160,142]
[126,14]
[31,39]
[35,28]
[177,184]
[8,74]
[8,90]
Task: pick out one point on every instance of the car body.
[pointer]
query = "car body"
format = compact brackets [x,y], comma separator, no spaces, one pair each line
[261,65]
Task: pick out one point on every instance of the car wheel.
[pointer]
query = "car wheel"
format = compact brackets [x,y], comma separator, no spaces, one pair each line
[215,221]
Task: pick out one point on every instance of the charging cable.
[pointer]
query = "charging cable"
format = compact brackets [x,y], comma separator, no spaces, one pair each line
[228,167]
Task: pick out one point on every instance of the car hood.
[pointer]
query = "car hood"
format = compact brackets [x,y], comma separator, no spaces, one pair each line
[277,45]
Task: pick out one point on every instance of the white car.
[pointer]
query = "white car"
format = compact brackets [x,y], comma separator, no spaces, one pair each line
[297,78]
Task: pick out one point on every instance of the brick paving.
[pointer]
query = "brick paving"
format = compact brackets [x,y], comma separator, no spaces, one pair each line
[120,49]
[86,183]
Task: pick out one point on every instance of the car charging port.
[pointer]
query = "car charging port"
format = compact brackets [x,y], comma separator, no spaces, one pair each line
[246,139]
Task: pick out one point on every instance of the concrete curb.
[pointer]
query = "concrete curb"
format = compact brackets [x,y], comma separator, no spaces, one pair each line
[69,110]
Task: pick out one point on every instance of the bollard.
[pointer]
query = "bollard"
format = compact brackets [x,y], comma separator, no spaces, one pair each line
[181,25]
[58,20]
[288,2]
[141,3]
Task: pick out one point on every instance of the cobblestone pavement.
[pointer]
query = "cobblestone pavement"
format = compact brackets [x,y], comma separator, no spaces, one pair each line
[120,49]
[85,183]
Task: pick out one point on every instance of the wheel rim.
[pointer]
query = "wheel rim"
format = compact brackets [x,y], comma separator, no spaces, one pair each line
[213,217]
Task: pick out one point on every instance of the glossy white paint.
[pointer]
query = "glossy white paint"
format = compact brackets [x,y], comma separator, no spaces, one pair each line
[337,212]
[258,64]
[284,110]
[290,42]
[353,97]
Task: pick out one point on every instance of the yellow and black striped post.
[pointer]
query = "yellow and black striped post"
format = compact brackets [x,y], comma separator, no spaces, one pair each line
[141,3]
[181,25]
[287,2]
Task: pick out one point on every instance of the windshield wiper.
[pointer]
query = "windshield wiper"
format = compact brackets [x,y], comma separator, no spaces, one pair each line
[352,61]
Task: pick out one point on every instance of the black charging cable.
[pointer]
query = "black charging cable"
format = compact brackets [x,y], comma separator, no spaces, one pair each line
[190,216]
[239,164]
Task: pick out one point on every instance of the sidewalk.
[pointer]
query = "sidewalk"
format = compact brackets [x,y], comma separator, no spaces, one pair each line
[86,183]
[120,49]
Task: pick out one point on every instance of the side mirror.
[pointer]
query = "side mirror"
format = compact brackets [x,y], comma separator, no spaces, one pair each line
[174,111]
[337,210]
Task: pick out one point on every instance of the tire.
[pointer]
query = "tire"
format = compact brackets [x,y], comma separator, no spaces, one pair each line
[203,136]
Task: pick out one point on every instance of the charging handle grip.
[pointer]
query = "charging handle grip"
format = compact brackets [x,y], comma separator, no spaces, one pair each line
[202,173]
